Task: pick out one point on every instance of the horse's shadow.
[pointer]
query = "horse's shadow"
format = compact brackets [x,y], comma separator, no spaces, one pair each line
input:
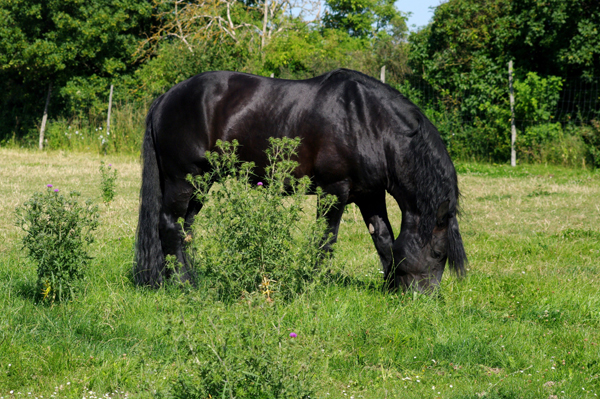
[346,281]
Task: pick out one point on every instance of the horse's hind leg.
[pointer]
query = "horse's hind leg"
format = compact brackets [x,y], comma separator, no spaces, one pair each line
[374,213]
[176,200]
[193,208]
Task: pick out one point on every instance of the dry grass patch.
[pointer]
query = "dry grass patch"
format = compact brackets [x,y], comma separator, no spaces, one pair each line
[24,172]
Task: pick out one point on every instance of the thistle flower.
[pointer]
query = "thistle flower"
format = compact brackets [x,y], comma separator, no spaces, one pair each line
[293,335]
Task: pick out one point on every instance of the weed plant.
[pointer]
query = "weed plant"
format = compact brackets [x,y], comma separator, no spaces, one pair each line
[247,352]
[58,230]
[108,182]
[251,236]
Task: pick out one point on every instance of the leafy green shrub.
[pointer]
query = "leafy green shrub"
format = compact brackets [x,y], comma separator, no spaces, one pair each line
[536,97]
[550,143]
[57,231]
[251,236]
[533,139]
[567,149]
[108,182]
[591,137]
[245,352]
[87,133]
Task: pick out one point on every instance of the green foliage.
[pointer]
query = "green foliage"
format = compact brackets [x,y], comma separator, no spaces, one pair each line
[550,143]
[41,39]
[108,182]
[536,98]
[363,18]
[463,55]
[80,47]
[591,138]
[88,134]
[157,74]
[556,37]
[250,237]
[57,231]
[455,68]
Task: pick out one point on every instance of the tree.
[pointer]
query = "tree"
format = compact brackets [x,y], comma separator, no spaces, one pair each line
[555,37]
[469,39]
[463,54]
[364,18]
[78,45]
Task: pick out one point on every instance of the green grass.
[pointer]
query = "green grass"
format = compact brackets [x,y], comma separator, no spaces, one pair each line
[524,323]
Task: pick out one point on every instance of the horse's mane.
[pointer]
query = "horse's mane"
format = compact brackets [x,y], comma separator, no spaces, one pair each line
[435,182]
[432,173]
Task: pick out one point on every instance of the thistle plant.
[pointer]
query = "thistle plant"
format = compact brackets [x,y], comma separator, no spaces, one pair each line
[58,230]
[252,235]
[108,182]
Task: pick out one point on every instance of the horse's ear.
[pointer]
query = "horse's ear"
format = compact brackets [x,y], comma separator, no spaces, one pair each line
[442,213]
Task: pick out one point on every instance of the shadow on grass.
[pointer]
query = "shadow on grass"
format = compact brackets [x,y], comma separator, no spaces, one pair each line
[27,289]
[343,280]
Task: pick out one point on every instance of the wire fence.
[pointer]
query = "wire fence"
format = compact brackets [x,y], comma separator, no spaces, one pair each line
[557,123]
[579,101]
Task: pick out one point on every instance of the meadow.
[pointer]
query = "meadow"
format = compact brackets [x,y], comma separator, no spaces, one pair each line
[523,323]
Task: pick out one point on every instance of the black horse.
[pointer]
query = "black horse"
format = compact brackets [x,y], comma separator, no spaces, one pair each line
[359,139]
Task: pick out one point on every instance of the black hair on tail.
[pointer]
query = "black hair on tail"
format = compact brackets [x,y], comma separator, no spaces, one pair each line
[457,258]
[149,260]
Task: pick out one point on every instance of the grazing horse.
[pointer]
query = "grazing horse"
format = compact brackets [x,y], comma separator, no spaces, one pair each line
[359,139]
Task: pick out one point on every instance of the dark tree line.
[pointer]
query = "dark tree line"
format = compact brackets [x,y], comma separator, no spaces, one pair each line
[455,65]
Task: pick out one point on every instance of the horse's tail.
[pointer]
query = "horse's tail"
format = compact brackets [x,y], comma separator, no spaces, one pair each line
[149,262]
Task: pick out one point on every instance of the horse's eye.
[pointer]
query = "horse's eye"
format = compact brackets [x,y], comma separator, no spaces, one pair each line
[436,254]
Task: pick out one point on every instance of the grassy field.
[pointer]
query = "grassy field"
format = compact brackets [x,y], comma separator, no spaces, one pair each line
[524,323]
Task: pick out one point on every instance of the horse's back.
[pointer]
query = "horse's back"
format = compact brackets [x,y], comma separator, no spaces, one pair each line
[343,118]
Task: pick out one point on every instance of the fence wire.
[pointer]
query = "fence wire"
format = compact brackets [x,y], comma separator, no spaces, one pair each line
[579,101]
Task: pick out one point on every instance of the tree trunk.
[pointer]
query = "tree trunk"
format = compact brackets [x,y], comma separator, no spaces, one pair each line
[265,20]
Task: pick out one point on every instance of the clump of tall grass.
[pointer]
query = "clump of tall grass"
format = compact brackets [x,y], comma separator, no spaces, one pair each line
[246,351]
[108,182]
[89,133]
[251,236]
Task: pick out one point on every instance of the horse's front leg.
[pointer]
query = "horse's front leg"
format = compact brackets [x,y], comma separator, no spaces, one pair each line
[374,213]
[333,215]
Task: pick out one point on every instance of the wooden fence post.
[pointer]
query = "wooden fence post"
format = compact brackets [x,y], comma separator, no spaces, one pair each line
[382,77]
[513,128]
[109,107]
[44,118]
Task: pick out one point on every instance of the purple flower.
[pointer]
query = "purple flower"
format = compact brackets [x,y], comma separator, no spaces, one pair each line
[49,185]
[109,165]
[259,183]
[56,190]
[293,335]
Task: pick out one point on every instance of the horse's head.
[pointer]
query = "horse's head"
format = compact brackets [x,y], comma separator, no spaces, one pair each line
[419,263]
